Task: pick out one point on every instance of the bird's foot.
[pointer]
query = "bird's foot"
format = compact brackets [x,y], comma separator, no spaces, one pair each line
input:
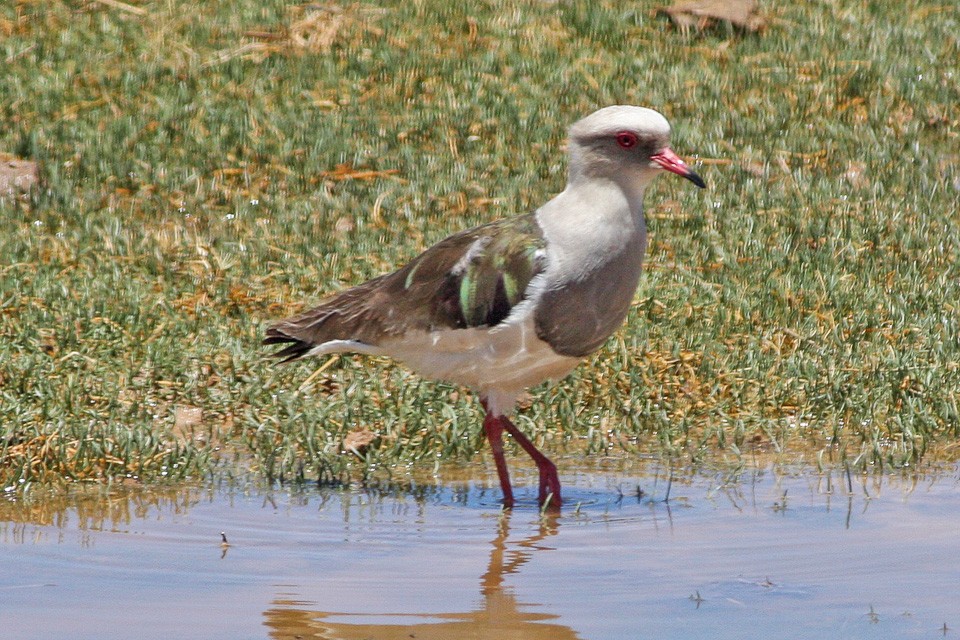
[494,426]
[549,485]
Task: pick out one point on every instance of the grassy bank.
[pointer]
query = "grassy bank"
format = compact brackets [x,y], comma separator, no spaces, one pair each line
[207,170]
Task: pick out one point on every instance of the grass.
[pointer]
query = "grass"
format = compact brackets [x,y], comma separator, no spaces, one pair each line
[205,172]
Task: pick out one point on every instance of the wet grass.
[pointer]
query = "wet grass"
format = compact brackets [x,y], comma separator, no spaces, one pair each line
[206,172]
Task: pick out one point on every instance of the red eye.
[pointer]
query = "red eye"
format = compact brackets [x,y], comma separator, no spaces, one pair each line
[626,139]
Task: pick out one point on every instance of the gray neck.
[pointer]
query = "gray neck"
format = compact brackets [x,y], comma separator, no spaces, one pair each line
[596,239]
[591,223]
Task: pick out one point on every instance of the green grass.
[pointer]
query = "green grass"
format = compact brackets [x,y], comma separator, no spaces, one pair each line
[206,171]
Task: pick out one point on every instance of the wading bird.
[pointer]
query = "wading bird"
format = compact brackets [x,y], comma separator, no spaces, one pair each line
[509,304]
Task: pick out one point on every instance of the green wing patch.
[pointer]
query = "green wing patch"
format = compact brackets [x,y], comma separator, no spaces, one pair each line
[496,269]
[475,278]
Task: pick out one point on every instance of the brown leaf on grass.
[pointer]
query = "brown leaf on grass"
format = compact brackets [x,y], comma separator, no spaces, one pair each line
[754,168]
[322,26]
[192,303]
[855,175]
[900,117]
[186,419]
[48,341]
[244,299]
[17,176]
[346,171]
[315,29]
[185,416]
[701,14]
[123,6]
[525,401]
[343,226]
[255,51]
[357,442]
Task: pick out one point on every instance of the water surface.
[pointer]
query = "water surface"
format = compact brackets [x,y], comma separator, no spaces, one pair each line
[759,554]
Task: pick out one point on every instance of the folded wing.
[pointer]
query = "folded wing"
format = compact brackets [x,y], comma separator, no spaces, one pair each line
[471,279]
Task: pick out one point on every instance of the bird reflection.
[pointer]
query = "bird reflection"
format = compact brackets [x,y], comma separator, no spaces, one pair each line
[500,616]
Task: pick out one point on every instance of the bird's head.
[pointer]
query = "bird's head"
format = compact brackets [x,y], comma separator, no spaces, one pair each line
[629,145]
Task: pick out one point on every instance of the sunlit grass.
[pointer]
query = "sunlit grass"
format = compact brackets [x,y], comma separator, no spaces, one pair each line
[207,172]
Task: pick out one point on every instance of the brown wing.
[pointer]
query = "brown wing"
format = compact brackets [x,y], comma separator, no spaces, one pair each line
[473,278]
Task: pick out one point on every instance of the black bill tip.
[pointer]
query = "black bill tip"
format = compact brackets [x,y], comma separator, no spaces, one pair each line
[695,178]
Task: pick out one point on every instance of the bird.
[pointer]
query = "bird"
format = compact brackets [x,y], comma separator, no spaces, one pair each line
[507,305]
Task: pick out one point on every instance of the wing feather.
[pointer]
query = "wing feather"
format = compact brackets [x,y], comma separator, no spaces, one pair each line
[471,279]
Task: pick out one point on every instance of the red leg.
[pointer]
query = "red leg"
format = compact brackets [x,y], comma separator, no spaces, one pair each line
[549,480]
[493,427]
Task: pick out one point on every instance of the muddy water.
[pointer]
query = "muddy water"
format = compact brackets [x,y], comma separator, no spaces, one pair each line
[760,554]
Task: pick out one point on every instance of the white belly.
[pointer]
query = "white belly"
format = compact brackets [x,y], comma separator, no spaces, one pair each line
[500,362]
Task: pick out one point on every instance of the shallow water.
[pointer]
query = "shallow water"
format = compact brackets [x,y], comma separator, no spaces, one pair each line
[762,554]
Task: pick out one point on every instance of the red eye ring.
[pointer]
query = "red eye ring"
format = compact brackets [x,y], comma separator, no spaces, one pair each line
[626,139]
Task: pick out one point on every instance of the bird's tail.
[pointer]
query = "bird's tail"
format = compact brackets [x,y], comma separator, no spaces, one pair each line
[348,317]
[295,347]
